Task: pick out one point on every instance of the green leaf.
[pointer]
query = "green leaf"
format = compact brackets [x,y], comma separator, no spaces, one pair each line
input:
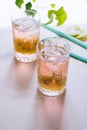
[28,6]
[50,13]
[31,12]
[19,3]
[33,0]
[61,16]
[50,16]
[53,5]
[59,11]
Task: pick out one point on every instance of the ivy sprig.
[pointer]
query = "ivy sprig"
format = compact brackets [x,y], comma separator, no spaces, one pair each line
[58,15]
[28,6]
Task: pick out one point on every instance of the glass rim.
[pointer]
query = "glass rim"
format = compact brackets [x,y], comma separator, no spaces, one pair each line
[57,37]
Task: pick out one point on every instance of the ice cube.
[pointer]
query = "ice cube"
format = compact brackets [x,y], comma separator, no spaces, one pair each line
[52,66]
[52,59]
[24,23]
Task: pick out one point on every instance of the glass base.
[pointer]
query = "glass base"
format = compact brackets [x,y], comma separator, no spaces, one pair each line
[50,92]
[25,57]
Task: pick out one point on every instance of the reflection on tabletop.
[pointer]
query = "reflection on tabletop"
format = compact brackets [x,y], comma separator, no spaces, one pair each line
[24,73]
[20,76]
[49,111]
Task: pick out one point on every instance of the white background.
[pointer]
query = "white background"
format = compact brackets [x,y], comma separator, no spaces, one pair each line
[76,10]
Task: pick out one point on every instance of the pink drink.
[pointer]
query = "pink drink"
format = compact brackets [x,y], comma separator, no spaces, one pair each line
[26,34]
[52,69]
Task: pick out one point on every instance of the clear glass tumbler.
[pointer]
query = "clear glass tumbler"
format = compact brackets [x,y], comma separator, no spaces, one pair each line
[52,65]
[26,34]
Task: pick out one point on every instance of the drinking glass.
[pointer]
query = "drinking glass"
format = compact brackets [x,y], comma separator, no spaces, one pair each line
[26,34]
[52,65]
